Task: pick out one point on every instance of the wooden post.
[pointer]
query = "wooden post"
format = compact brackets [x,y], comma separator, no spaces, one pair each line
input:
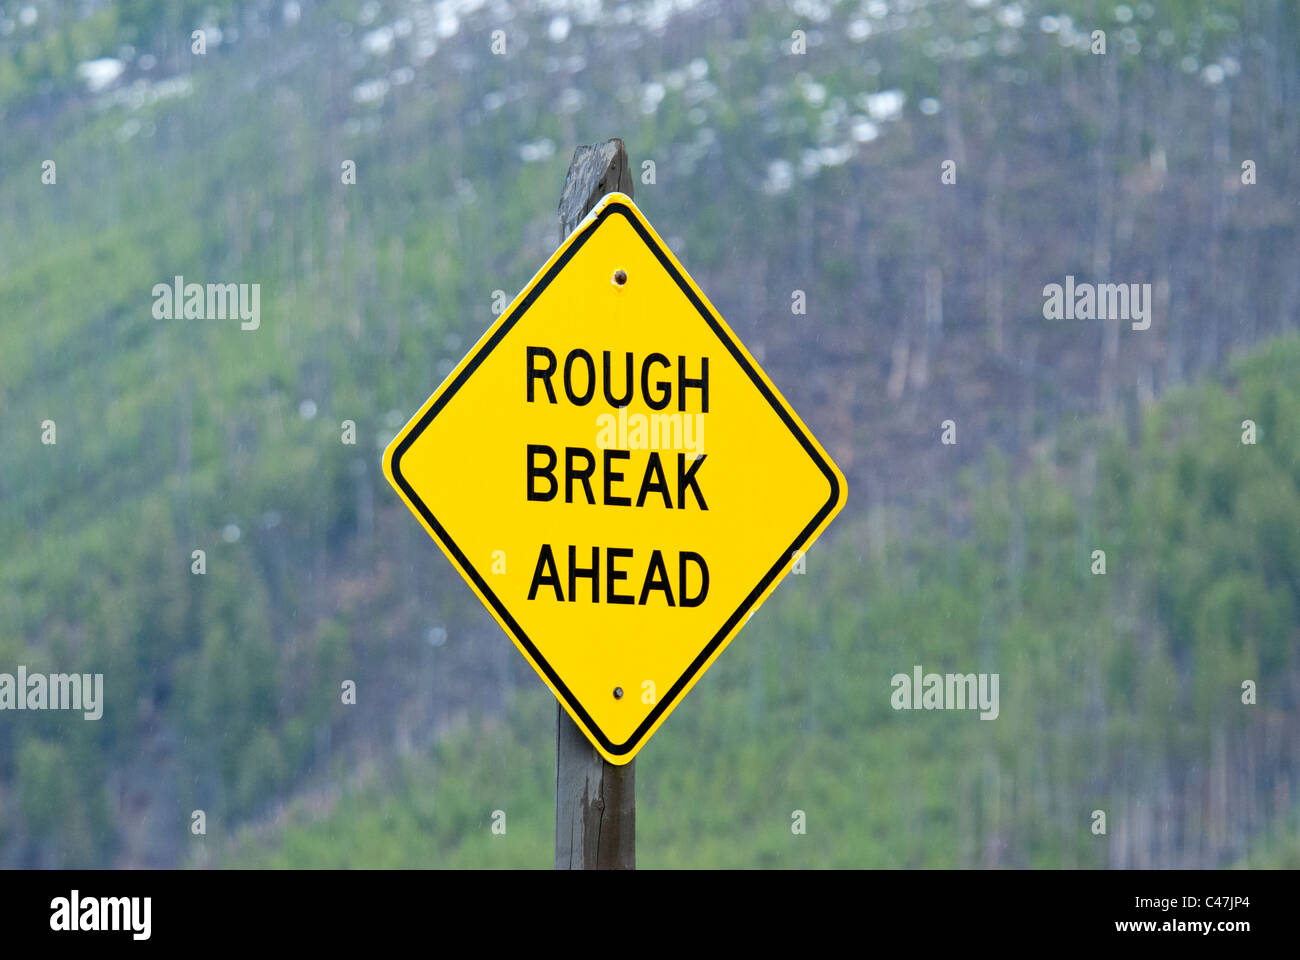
[595,801]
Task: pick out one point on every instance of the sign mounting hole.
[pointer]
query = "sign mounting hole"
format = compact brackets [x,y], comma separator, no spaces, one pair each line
[620,277]
[618,693]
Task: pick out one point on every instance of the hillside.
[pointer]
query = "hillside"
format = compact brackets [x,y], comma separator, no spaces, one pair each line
[774,173]
[1120,692]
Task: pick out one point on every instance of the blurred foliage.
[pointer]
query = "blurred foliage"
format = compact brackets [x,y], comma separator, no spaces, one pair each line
[223,690]
[1108,683]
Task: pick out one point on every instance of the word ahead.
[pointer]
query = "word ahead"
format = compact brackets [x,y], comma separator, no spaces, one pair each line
[656,576]
[554,468]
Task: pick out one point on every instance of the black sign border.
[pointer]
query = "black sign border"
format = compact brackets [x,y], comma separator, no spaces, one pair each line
[585,232]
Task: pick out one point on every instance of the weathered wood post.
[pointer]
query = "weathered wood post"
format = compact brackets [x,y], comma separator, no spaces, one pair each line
[595,801]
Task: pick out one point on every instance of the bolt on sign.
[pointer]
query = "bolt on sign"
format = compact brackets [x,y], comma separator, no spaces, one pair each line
[615,477]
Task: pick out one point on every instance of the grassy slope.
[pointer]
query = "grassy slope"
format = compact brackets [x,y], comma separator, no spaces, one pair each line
[1099,699]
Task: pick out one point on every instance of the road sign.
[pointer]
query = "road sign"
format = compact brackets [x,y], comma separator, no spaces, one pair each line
[615,477]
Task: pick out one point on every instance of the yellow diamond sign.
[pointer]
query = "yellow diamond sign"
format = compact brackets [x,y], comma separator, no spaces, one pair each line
[615,477]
